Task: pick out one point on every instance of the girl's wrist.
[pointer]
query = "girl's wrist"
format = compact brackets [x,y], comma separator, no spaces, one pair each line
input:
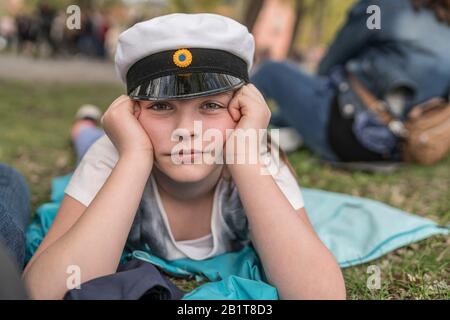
[247,168]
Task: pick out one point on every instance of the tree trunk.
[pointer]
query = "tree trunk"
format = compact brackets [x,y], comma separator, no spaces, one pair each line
[299,10]
[252,12]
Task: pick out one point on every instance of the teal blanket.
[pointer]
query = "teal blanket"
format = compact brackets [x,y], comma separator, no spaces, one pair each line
[356,230]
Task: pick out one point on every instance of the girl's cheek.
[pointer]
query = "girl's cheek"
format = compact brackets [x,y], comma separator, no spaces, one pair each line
[158,131]
[224,126]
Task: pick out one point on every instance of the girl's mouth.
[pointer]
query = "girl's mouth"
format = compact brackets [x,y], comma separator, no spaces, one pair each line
[186,156]
[188,152]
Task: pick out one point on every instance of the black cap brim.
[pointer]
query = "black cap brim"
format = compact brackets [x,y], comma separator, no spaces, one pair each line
[185,86]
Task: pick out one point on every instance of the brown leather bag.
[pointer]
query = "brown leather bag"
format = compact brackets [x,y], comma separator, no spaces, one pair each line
[425,134]
[428,128]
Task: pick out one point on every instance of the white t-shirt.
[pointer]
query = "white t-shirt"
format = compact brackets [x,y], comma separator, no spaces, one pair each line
[151,231]
[199,247]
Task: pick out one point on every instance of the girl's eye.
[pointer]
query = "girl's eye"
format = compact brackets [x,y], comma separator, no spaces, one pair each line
[160,107]
[211,106]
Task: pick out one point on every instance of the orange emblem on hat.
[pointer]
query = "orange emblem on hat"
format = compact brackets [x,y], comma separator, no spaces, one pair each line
[182,58]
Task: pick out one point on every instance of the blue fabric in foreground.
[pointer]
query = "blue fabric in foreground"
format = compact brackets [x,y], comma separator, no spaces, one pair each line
[356,230]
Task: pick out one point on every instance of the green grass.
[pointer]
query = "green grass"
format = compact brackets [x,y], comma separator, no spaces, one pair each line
[35,121]
[418,271]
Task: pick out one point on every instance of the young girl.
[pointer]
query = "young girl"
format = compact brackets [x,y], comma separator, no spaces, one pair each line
[128,190]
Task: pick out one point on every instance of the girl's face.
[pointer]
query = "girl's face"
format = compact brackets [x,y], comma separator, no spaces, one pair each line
[170,125]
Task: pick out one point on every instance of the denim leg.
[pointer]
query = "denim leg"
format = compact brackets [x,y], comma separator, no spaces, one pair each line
[303,101]
[85,138]
[277,120]
[14,212]
[11,285]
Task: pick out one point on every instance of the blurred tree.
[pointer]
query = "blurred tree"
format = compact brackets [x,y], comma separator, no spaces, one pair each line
[30,5]
[251,12]
[180,6]
[320,21]
[299,8]
[189,6]
[316,21]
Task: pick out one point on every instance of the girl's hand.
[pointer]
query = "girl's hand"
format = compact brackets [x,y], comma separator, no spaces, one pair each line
[249,108]
[120,122]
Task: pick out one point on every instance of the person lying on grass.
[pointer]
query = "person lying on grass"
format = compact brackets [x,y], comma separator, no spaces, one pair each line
[155,182]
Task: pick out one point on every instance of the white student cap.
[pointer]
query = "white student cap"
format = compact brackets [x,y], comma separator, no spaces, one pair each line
[181,55]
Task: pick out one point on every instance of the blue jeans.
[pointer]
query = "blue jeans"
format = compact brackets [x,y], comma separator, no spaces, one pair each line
[14,212]
[86,137]
[303,102]
[15,199]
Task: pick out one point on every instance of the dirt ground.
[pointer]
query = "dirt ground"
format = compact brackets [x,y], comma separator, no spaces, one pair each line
[61,70]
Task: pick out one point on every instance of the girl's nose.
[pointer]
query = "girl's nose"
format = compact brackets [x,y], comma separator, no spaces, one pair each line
[187,131]
[182,134]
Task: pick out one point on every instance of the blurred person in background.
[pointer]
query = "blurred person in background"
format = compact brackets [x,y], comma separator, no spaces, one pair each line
[404,63]
[15,205]
[8,32]
[27,34]
[46,15]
